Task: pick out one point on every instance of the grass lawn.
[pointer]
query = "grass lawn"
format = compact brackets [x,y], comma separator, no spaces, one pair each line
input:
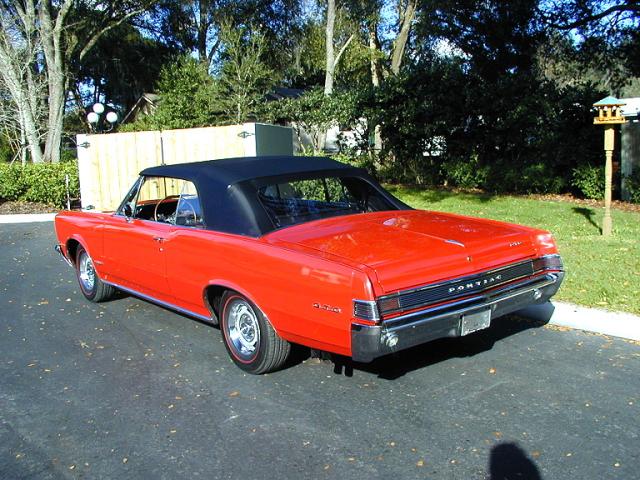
[601,272]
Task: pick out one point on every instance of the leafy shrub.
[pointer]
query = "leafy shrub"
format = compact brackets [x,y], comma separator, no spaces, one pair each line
[534,178]
[358,160]
[43,182]
[589,181]
[11,181]
[632,183]
[464,173]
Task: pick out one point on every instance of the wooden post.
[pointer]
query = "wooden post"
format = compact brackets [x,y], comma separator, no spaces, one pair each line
[608,174]
[609,139]
[609,115]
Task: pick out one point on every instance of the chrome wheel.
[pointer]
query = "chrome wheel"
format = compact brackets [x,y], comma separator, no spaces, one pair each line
[243,329]
[91,286]
[86,272]
[249,337]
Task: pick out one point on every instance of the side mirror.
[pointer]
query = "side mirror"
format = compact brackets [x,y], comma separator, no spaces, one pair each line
[128,211]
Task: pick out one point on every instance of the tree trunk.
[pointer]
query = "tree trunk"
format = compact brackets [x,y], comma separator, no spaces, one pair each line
[374,51]
[329,47]
[23,142]
[202,29]
[15,68]
[376,79]
[31,130]
[52,47]
[406,19]
[20,96]
[53,142]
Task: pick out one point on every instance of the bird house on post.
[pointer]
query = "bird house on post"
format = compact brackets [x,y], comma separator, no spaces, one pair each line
[609,115]
[609,111]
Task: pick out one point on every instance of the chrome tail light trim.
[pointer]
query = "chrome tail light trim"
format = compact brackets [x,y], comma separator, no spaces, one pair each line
[366,310]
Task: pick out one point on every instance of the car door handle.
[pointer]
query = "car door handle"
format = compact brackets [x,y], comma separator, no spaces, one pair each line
[159,239]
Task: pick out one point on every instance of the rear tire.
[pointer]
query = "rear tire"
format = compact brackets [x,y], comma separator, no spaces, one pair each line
[251,341]
[91,286]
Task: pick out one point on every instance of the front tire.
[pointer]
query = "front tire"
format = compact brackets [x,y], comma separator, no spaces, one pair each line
[91,286]
[251,341]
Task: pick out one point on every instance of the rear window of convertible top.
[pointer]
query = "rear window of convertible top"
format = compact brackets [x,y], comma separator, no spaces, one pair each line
[299,201]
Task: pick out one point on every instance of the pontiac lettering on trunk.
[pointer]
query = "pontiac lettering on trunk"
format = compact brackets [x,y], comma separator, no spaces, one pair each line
[483,282]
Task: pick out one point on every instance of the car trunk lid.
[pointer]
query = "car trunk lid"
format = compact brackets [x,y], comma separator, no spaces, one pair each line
[412,247]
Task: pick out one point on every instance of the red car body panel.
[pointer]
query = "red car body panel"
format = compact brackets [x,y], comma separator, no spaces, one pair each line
[285,273]
[308,279]
[285,283]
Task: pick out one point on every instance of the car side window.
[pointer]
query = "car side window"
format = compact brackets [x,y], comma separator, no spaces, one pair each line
[189,210]
[157,199]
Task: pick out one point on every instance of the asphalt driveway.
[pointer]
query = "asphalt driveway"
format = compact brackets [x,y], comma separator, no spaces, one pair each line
[126,389]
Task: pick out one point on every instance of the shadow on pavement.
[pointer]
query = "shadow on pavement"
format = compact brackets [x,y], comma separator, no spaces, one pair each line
[509,462]
[396,365]
[399,364]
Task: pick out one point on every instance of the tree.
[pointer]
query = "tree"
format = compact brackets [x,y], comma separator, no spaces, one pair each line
[332,58]
[191,97]
[20,72]
[244,78]
[195,26]
[118,70]
[313,114]
[38,43]
[187,98]
[191,26]
[11,141]
[604,40]
[407,11]
[591,14]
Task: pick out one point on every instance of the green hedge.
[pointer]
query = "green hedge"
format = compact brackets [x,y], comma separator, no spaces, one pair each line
[44,182]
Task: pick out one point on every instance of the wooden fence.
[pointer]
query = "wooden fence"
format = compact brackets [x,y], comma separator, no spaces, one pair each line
[109,163]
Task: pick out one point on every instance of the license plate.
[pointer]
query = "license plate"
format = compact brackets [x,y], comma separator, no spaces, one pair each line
[474,322]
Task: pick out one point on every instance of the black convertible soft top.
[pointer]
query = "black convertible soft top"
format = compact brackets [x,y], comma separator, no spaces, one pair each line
[227,188]
[233,170]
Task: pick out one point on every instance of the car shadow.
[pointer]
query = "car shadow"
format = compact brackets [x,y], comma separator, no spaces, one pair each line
[510,462]
[120,295]
[394,366]
[391,367]
[588,213]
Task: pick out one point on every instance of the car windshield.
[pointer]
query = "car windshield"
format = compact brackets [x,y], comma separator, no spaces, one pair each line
[298,201]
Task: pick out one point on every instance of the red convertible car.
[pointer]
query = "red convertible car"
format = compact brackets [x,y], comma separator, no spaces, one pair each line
[305,250]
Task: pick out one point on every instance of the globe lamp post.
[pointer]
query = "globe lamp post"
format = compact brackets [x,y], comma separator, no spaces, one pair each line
[95,116]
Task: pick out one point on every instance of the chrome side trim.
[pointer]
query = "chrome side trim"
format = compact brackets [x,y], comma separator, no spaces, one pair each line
[404,321]
[455,242]
[58,249]
[168,305]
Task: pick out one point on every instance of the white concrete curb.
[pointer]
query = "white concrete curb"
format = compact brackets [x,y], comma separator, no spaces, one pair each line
[617,324]
[27,218]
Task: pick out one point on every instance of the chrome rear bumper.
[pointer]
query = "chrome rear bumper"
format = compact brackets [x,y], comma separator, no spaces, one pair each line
[415,328]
